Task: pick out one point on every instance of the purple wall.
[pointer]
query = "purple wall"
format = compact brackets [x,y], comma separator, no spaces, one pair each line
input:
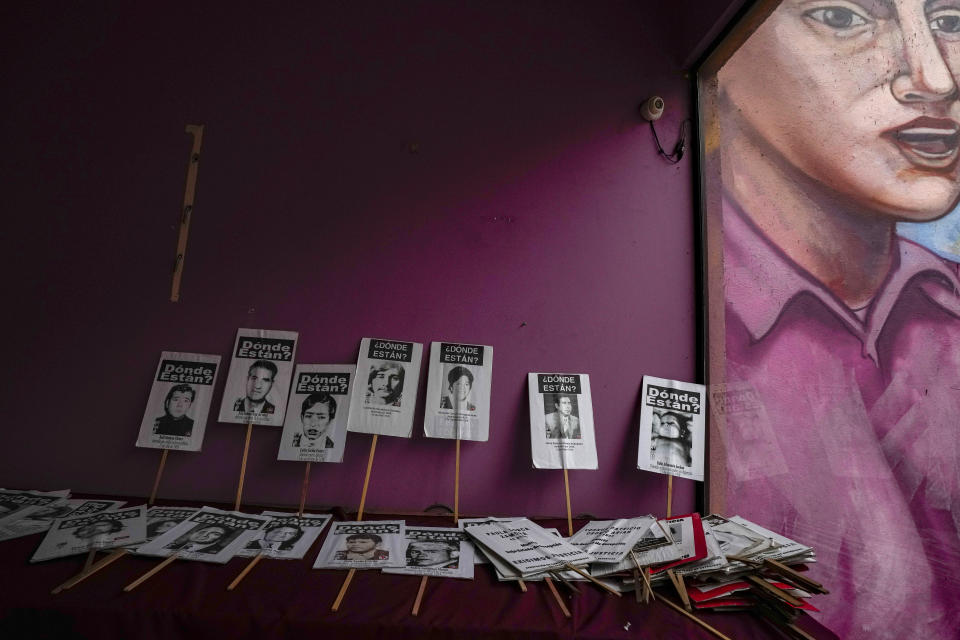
[535,217]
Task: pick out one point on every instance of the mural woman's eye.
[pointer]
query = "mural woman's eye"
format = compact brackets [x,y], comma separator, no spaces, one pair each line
[837,17]
[946,21]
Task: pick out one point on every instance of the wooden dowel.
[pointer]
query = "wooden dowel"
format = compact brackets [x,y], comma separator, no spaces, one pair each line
[416,603]
[363,500]
[773,591]
[522,584]
[80,577]
[366,483]
[89,561]
[556,596]
[243,466]
[645,574]
[700,622]
[136,583]
[559,576]
[681,588]
[343,589]
[566,488]
[669,495]
[456,482]
[589,577]
[638,586]
[246,570]
[303,491]
[186,213]
[156,481]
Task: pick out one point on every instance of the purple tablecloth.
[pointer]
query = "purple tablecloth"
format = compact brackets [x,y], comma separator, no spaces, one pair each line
[281,599]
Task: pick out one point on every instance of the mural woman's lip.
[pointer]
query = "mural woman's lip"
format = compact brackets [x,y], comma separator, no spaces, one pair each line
[928,142]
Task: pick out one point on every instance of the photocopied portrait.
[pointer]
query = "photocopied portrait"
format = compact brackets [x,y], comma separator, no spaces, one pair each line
[458,392]
[175,420]
[561,416]
[385,383]
[259,378]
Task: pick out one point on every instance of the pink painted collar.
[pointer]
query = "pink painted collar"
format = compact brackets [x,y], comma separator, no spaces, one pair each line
[761,282]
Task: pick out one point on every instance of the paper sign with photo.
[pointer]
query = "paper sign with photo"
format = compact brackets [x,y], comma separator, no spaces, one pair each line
[561,421]
[672,419]
[259,377]
[315,428]
[104,530]
[209,535]
[286,536]
[385,395]
[373,544]
[179,402]
[458,391]
[442,552]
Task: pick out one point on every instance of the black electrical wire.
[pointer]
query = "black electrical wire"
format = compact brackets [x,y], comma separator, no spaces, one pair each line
[678,148]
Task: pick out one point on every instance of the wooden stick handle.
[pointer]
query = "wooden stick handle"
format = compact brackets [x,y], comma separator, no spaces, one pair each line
[589,577]
[366,483]
[669,495]
[89,561]
[80,577]
[522,585]
[136,583]
[700,622]
[556,596]
[303,491]
[343,589]
[186,213]
[246,570]
[156,481]
[416,603]
[566,488]
[456,483]
[243,466]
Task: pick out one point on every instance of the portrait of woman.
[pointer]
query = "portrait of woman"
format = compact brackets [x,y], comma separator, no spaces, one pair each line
[830,125]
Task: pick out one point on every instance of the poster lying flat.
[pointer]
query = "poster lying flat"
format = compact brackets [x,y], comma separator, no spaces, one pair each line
[384,400]
[611,540]
[665,544]
[315,428]
[259,377]
[437,551]
[672,439]
[286,536]
[362,545]
[458,391]
[176,413]
[163,519]
[526,546]
[561,421]
[40,519]
[16,504]
[210,535]
[105,530]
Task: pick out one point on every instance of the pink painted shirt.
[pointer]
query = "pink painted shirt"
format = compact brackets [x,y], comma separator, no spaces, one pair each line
[851,442]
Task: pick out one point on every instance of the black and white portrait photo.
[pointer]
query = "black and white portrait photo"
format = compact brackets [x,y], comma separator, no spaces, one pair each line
[260,378]
[176,420]
[458,391]
[561,416]
[385,383]
[671,438]
[317,413]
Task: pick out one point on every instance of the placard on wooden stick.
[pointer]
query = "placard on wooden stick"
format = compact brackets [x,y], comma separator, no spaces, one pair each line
[363,500]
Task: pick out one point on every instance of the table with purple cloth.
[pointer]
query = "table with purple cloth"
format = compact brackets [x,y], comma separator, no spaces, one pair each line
[289,599]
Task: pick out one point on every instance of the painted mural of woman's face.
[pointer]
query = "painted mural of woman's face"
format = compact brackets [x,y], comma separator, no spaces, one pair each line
[859,97]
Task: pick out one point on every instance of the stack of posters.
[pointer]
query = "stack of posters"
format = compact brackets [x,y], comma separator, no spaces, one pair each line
[176,413]
[561,421]
[363,545]
[315,429]
[667,544]
[16,503]
[105,530]
[442,552]
[286,536]
[458,391]
[40,519]
[672,432]
[259,377]
[209,535]
[385,403]
[526,548]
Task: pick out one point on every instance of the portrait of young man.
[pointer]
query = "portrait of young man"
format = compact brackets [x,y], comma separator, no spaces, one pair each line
[829,126]
[260,379]
[202,539]
[363,546]
[436,554]
[175,421]
[385,384]
[317,413]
